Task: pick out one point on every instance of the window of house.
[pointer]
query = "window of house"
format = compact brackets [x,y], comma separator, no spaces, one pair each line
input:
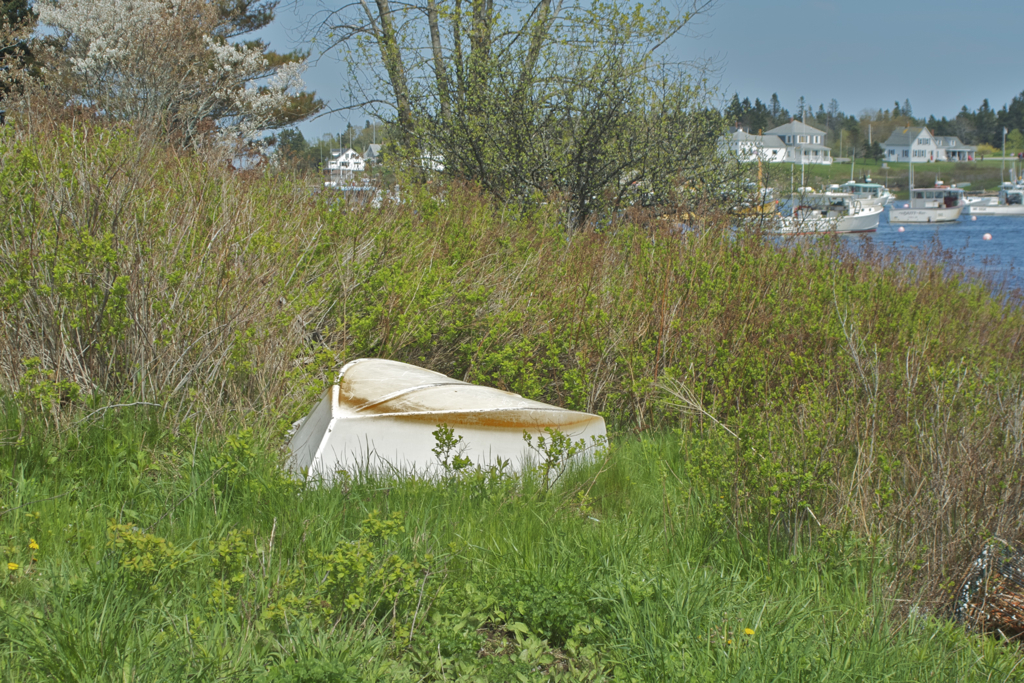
[801,138]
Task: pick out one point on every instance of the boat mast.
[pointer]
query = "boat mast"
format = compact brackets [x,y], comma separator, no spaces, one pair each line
[910,177]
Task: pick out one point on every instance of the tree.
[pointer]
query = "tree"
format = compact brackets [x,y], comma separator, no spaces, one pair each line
[16,24]
[552,98]
[1015,141]
[775,107]
[174,63]
[963,124]
[801,108]
[985,126]
[872,151]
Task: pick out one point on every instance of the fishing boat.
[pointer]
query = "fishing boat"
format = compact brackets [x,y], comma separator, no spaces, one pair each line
[939,204]
[1009,203]
[829,212]
[382,416]
[869,193]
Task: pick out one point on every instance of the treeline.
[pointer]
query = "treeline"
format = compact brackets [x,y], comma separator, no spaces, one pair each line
[864,132]
[985,124]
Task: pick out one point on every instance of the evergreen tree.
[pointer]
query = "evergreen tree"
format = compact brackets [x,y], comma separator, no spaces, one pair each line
[985,125]
[775,109]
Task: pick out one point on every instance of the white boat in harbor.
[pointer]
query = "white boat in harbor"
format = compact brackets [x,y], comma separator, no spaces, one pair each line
[983,200]
[382,416]
[939,204]
[829,212]
[867,192]
[1010,202]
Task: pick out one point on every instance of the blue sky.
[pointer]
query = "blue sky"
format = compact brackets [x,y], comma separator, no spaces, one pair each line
[856,52]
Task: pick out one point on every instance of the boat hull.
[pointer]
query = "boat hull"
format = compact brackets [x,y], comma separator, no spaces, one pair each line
[975,210]
[937,215]
[382,415]
[863,221]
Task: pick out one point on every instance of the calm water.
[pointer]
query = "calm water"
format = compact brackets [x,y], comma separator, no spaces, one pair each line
[1002,256]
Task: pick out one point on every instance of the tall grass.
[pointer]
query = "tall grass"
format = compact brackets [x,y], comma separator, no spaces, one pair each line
[816,390]
[149,568]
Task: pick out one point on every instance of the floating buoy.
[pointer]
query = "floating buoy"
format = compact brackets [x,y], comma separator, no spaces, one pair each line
[974,218]
[901,228]
[986,236]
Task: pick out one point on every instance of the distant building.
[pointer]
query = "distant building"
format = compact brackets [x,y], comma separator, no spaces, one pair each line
[747,147]
[804,144]
[912,144]
[373,154]
[346,162]
[954,150]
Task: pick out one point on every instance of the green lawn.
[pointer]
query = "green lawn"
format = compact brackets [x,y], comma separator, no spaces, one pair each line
[164,557]
[982,175]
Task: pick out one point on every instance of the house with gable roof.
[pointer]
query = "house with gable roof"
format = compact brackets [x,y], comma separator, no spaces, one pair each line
[747,147]
[804,144]
[951,149]
[912,144]
[345,162]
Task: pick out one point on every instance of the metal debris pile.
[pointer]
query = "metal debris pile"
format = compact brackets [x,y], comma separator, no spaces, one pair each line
[990,598]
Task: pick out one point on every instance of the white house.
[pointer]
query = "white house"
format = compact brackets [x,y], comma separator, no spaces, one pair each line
[373,154]
[346,162]
[912,144]
[749,147]
[951,149]
[342,168]
[804,144]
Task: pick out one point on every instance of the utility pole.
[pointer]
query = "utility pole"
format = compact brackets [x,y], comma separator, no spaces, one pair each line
[1003,169]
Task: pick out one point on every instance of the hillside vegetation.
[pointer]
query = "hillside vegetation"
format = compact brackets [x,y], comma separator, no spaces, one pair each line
[809,443]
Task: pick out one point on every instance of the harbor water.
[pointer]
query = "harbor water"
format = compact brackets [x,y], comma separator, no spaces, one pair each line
[1000,258]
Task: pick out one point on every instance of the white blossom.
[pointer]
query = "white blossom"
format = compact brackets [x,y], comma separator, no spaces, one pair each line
[150,60]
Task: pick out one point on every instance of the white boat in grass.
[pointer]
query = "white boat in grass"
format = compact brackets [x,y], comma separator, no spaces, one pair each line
[939,204]
[381,416]
[829,212]
[1010,202]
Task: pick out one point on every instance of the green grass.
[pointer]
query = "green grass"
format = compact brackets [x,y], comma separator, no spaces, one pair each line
[622,572]
[982,175]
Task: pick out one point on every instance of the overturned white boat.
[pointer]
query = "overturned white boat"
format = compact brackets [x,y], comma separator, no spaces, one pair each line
[381,416]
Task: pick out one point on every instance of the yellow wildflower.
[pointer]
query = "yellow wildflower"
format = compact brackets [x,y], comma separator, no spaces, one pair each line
[749,631]
[728,642]
[32,544]
[12,567]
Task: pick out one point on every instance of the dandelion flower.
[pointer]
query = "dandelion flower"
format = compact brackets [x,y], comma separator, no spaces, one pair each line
[749,631]
[32,544]
[728,642]
[11,567]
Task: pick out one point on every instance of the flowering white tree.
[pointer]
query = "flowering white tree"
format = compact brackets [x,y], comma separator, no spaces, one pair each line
[171,62]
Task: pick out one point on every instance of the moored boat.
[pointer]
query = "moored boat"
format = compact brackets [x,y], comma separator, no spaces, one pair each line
[867,192]
[829,212]
[1009,203]
[939,204]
